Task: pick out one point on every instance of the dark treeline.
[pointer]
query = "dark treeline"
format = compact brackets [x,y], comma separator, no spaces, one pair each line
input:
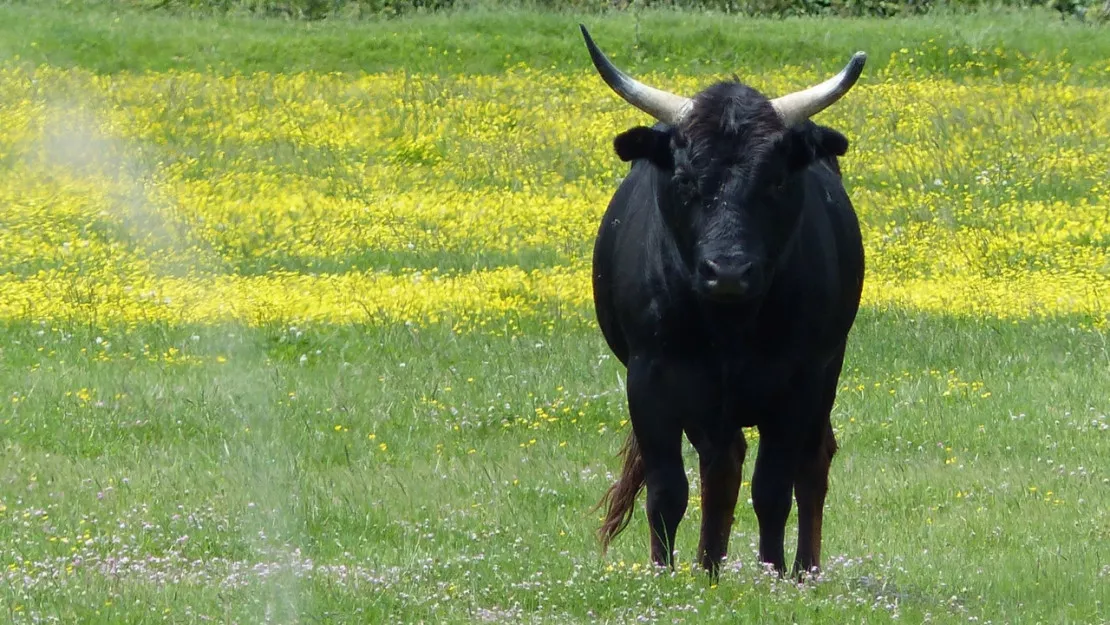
[1087,10]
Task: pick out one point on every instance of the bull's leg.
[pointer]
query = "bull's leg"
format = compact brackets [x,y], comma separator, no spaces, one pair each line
[654,405]
[812,481]
[722,459]
[664,395]
[772,484]
[809,489]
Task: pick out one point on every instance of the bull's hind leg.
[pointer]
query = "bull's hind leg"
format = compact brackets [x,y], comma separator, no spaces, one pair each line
[721,459]
[660,395]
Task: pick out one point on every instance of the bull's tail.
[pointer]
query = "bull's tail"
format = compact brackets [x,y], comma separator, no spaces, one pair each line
[621,496]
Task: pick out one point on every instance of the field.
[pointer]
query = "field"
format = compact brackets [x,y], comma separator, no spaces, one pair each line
[295,321]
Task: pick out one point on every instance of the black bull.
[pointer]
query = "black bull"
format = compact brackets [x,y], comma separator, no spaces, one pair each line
[727,276]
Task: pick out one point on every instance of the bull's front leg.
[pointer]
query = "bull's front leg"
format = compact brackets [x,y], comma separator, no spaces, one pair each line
[772,485]
[662,395]
[812,480]
[810,489]
[721,462]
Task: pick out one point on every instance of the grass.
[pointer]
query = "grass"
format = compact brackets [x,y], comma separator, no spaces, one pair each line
[491,41]
[967,486]
[434,457]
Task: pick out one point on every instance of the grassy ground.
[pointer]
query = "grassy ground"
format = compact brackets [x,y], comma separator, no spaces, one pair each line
[491,41]
[408,476]
[318,347]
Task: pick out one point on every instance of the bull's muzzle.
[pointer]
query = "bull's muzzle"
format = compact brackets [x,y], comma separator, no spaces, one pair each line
[725,279]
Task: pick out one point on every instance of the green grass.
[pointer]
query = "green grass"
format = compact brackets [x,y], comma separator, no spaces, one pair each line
[485,41]
[956,505]
[397,474]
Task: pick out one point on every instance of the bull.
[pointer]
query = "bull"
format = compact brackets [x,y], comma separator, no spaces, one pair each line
[727,273]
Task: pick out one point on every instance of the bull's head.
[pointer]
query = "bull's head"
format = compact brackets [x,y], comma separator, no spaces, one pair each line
[735,157]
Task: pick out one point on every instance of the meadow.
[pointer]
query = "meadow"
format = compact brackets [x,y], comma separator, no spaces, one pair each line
[295,321]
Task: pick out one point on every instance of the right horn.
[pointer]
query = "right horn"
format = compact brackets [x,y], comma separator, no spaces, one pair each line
[799,106]
[662,105]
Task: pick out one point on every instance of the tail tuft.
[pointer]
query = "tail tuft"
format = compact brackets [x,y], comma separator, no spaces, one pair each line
[621,496]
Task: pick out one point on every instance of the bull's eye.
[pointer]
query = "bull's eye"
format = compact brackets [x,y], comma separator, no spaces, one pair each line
[778,185]
[685,183]
[772,190]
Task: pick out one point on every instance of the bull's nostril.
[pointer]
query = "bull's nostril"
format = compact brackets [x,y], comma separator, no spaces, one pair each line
[724,279]
[709,270]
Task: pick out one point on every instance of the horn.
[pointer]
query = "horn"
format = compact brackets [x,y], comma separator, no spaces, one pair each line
[799,106]
[662,105]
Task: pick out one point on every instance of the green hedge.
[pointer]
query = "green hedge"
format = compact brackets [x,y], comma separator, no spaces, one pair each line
[1082,9]
[301,9]
[1088,10]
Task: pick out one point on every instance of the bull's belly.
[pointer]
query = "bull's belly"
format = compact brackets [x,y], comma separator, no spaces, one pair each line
[752,408]
[770,396]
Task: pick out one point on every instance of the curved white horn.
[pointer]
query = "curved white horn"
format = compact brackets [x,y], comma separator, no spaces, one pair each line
[662,105]
[799,106]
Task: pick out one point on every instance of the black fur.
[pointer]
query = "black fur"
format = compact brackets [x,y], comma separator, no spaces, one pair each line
[641,143]
[727,275]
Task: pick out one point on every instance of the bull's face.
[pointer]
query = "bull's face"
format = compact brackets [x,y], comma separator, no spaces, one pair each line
[735,158]
[732,222]
[736,191]
[739,229]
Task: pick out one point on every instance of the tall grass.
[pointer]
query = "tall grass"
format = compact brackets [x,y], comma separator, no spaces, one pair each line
[108,39]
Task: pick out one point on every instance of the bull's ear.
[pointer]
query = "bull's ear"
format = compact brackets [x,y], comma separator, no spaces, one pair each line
[830,142]
[642,142]
[801,151]
[809,142]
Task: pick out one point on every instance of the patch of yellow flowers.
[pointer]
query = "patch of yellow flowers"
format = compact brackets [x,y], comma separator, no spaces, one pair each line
[190,197]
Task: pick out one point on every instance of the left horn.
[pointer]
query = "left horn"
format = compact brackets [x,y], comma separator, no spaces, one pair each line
[799,106]
[662,105]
